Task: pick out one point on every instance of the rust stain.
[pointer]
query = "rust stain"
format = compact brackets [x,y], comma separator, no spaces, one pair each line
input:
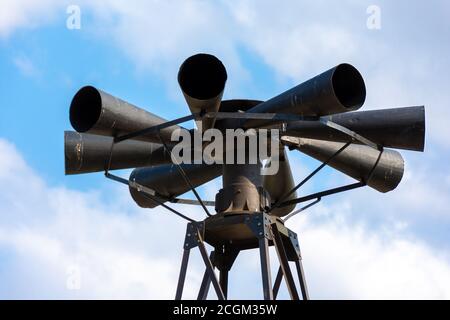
[79,153]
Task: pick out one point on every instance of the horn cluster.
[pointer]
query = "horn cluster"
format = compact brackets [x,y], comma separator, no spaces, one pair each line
[333,96]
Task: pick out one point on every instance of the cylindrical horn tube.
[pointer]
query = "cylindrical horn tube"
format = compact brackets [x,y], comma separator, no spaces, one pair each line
[97,112]
[279,184]
[356,161]
[402,128]
[167,181]
[86,153]
[202,79]
[340,89]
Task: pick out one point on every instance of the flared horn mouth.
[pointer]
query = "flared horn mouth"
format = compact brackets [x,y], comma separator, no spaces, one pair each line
[85,109]
[202,76]
[348,86]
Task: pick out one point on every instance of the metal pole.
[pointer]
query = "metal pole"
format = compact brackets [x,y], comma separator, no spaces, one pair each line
[209,268]
[182,277]
[265,268]
[206,281]
[301,279]
[204,287]
[276,285]
[284,263]
[223,279]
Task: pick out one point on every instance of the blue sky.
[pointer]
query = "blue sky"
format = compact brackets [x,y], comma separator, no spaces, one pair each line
[390,245]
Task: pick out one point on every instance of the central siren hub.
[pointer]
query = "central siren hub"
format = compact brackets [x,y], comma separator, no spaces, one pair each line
[243,190]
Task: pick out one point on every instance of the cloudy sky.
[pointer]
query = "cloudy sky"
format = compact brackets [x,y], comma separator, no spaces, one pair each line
[83,237]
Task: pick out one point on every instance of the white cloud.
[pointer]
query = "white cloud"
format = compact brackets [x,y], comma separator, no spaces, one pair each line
[349,261]
[25,66]
[120,251]
[15,14]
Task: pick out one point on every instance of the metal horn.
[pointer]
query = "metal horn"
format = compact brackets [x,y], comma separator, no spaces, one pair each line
[380,171]
[84,153]
[167,181]
[402,128]
[202,79]
[340,89]
[97,112]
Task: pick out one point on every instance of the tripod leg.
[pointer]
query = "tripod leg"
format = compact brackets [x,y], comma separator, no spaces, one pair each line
[298,264]
[301,278]
[223,279]
[276,285]
[284,263]
[265,268]
[209,268]
[206,282]
[182,277]
[204,287]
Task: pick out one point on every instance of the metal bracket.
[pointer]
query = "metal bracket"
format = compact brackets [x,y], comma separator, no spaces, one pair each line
[154,129]
[148,194]
[194,233]
[323,193]
[184,175]
[312,174]
[193,202]
[302,209]
[350,133]
[294,241]
[259,224]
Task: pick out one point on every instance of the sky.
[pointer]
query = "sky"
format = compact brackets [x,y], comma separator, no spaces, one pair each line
[72,237]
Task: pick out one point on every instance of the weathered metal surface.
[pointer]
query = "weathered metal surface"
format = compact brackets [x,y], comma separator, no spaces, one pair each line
[235,105]
[85,153]
[402,128]
[340,89]
[168,182]
[280,184]
[314,119]
[97,112]
[202,79]
[242,189]
[284,263]
[356,161]
[266,276]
